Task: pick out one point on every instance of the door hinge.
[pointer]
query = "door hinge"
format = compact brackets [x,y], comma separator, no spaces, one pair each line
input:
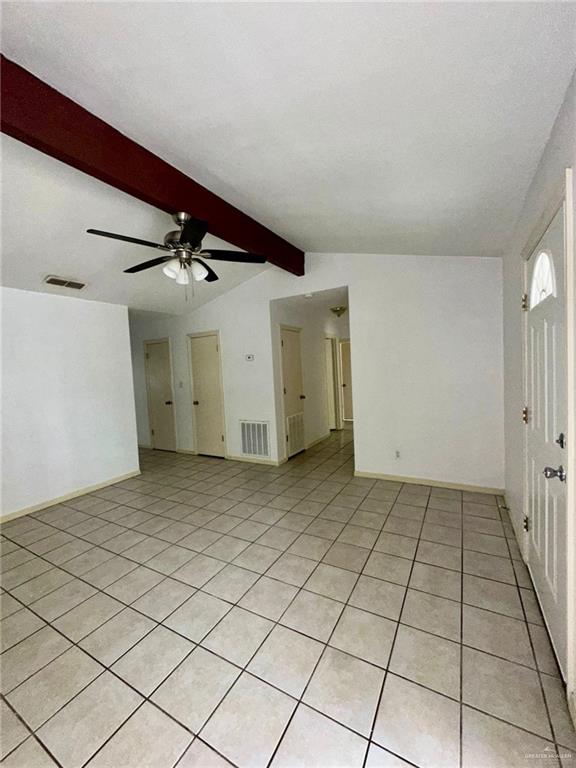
[151,431]
[284,390]
[525,414]
[286,438]
[282,342]
[222,436]
[526,523]
[147,355]
[524,302]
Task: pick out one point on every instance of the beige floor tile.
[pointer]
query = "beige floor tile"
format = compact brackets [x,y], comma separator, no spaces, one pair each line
[545,659]
[231,583]
[87,560]
[497,634]
[238,636]
[195,688]
[41,585]
[364,635]
[313,740]
[87,616]
[381,758]
[403,704]
[170,559]
[286,660]
[53,686]
[562,724]
[292,569]
[488,566]
[199,570]
[18,626]
[439,554]
[199,755]
[92,717]
[346,689]
[427,659]
[149,662]
[313,547]
[148,738]
[110,571]
[30,754]
[134,585]
[313,615]
[257,557]
[346,556]
[402,526]
[437,581]
[28,656]
[327,529]
[505,690]
[490,742]
[226,548]
[116,636]
[388,567]
[13,732]
[197,616]
[63,599]
[531,606]
[492,595]
[248,724]
[268,598]
[393,544]
[482,542]
[163,599]
[432,614]
[8,605]
[278,538]
[381,597]
[332,582]
[439,533]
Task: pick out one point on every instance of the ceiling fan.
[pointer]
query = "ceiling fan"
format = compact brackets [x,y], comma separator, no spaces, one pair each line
[183,248]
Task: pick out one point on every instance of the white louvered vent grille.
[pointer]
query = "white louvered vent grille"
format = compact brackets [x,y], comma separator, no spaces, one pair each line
[255,440]
[295,431]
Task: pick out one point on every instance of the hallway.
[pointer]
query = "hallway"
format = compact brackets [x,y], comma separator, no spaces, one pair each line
[212,611]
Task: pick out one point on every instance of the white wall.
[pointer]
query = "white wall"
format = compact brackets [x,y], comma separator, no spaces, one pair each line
[426,361]
[560,153]
[67,397]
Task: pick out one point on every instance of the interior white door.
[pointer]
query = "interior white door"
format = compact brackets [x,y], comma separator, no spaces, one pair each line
[160,397]
[293,389]
[330,382]
[208,398]
[346,380]
[547,413]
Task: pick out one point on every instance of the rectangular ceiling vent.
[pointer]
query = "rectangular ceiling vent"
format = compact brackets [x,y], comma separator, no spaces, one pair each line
[63,282]
[255,439]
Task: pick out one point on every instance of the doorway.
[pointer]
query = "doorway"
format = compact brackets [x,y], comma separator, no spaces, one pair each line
[292,389]
[207,393]
[332,384]
[160,395]
[546,420]
[346,380]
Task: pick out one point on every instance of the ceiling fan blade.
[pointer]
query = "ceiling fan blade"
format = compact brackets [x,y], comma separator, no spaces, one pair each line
[193,232]
[127,239]
[148,264]
[211,276]
[240,256]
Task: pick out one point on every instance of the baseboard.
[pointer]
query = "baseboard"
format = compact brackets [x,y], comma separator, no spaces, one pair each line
[571,696]
[67,497]
[256,460]
[185,450]
[434,483]
[147,446]
[318,440]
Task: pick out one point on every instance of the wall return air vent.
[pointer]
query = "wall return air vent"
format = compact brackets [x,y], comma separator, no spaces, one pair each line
[64,282]
[255,438]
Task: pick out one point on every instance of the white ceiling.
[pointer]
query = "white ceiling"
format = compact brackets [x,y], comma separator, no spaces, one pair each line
[332,297]
[363,127]
[47,207]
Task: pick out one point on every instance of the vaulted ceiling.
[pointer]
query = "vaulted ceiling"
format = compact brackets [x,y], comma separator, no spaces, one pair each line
[345,127]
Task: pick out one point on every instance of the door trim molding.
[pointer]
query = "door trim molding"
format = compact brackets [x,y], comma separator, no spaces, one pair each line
[570,280]
[167,340]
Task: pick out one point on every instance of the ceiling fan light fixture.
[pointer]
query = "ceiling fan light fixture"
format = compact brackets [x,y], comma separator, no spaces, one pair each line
[172,268]
[199,271]
[183,278]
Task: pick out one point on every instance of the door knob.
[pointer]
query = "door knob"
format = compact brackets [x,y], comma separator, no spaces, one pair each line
[550,472]
[168,402]
[302,397]
[195,402]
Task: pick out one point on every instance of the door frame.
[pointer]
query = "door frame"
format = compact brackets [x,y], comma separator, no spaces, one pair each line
[165,339]
[298,329]
[335,344]
[341,378]
[189,338]
[563,197]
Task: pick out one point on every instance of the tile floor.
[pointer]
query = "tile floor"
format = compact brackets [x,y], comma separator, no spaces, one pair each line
[210,613]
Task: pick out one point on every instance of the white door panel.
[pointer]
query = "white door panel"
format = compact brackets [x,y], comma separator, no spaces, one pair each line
[208,398]
[160,398]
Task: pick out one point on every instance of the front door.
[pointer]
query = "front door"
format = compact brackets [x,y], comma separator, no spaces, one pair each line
[208,399]
[546,428]
[160,398]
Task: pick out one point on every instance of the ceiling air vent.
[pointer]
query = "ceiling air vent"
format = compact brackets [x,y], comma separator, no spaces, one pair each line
[63,282]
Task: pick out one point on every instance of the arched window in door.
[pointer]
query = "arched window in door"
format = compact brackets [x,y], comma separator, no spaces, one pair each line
[543,279]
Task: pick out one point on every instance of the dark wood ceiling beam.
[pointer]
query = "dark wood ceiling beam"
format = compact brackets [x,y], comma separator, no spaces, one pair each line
[40,116]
